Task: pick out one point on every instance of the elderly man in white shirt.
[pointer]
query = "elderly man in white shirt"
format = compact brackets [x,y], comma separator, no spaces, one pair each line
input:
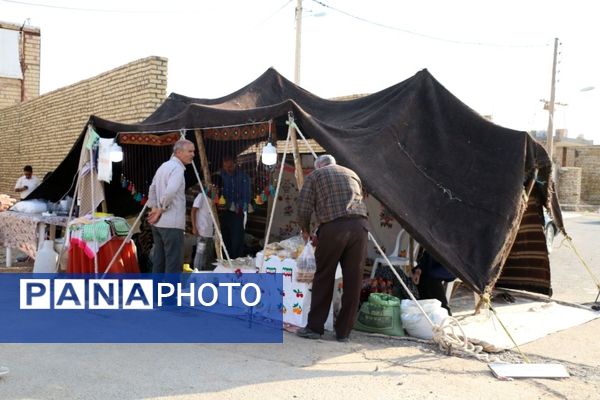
[26,183]
[166,197]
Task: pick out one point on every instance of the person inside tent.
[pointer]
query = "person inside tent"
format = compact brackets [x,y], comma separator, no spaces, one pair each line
[236,191]
[429,275]
[203,228]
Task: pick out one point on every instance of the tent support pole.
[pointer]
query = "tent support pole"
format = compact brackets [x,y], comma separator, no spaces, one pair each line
[93,211]
[411,250]
[207,181]
[296,152]
[213,216]
[312,151]
[127,239]
[66,234]
[275,195]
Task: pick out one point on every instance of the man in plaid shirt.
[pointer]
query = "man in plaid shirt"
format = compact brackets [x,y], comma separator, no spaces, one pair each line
[334,193]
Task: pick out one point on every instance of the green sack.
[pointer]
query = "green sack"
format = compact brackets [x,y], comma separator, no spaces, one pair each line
[380,314]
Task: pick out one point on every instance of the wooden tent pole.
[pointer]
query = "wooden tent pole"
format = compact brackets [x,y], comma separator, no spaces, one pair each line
[411,250]
[296,152]
[208,184]
[94,227]
[69,218]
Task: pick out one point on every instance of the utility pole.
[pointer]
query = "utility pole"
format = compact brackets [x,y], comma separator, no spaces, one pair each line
[550,131]
[298,38]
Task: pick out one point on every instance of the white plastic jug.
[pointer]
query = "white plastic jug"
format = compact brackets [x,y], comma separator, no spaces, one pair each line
[45,262]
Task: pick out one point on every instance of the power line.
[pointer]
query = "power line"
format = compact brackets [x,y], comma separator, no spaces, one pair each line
[275,12]
[423,35]
[79,9]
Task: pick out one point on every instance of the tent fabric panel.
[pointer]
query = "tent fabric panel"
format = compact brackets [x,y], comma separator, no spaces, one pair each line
[453,179]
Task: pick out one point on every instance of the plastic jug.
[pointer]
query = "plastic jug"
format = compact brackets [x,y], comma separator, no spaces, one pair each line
[45,262]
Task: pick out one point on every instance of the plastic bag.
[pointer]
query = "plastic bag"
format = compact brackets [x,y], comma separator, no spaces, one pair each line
[415,323]
[306,265]
[30,206]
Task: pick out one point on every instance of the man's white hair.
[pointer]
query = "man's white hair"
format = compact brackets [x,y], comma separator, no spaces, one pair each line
[180,145]
[324,160]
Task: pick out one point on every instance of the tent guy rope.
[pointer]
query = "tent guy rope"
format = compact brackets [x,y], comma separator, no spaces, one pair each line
[444,335]
[587,267]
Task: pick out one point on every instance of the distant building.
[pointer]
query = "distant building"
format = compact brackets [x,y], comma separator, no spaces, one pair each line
[577,164]
[19,64]
[561,138]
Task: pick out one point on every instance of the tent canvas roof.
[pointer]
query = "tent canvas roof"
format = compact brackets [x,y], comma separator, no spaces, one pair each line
[454,180]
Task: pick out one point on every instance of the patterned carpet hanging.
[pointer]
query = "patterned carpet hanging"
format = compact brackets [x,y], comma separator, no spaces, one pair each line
[143,153]
[246,132]
[244,144]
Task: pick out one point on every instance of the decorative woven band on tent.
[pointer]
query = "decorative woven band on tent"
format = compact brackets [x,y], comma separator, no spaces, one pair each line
[149,139]
[244,132]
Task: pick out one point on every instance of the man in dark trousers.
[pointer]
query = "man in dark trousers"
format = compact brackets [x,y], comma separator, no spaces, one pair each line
[334,193]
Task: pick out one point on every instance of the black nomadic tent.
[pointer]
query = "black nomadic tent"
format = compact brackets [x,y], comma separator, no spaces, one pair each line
[455,181]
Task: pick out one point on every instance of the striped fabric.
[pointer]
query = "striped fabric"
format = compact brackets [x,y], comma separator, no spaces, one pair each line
[527,267]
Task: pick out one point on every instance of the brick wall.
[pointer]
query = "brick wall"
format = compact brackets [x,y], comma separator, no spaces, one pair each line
[40,132]
[566,155]
[10,88]
[569,185]
[588,159]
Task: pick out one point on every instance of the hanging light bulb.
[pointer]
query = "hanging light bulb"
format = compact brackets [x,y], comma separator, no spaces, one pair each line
[269,154]
[116,152]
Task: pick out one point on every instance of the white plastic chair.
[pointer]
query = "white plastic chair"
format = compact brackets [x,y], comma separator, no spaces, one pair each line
[450,287]
[395,259]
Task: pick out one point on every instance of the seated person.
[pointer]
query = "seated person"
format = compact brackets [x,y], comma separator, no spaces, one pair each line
[429,276]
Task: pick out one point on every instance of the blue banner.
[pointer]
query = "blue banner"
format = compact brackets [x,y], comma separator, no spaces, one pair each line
[144,308]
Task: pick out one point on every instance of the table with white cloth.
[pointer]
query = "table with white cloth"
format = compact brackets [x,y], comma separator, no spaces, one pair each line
[26,231]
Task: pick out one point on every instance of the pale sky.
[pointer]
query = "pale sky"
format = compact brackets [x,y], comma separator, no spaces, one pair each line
[215,47]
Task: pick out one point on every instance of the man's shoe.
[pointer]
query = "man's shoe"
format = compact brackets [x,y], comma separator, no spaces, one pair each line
[344,339]
[308,334]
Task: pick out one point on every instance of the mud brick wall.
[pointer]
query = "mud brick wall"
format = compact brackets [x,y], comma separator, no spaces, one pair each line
[40,132]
